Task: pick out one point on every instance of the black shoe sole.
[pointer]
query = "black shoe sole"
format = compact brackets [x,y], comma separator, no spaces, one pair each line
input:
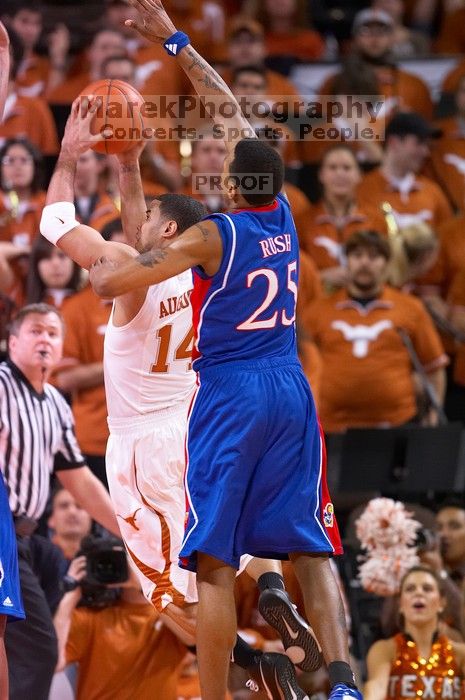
[299,642]
[283,685]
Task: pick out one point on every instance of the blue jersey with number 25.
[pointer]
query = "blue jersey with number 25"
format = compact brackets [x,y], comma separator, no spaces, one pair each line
[246,311]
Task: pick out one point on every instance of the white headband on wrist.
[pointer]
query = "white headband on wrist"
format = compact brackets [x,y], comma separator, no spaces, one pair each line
[57,219]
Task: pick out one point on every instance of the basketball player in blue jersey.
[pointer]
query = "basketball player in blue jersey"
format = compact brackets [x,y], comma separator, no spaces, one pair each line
[11,606]
[255,479]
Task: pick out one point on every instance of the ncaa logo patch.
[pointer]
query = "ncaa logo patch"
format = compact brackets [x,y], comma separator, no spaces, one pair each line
[328,515]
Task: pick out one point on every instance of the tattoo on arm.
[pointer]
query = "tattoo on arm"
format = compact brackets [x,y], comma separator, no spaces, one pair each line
[210,79]
[196,60]
[210,82]
[153,257]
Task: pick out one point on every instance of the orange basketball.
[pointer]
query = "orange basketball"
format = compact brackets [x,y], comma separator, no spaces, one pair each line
[119,118]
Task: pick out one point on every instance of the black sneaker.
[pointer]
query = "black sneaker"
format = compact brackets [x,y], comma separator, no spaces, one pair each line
[275,675]
[298,638]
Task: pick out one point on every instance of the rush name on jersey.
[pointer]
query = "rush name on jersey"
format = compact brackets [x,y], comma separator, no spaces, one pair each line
[246,311]
[148,362]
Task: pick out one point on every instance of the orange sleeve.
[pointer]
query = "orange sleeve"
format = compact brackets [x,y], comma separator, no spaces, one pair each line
[426,341]
[79,635]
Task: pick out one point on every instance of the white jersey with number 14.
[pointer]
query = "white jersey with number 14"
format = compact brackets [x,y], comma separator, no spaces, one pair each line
[147,362]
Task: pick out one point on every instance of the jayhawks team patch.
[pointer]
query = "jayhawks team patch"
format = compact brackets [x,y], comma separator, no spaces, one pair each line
[328,515]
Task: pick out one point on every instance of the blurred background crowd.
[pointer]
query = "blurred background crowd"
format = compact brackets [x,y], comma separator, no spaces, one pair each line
[381,308]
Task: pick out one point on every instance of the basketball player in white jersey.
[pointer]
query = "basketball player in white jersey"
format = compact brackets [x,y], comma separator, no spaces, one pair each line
[149,383]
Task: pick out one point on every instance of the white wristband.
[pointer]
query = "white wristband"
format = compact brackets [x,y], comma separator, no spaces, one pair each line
[57,219]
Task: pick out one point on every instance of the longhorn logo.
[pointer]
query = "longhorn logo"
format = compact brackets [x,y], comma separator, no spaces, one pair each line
[361,336]
[131,519]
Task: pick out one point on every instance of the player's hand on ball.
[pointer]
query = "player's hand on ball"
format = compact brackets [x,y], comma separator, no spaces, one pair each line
[78,136]
[154,23]
[132,155]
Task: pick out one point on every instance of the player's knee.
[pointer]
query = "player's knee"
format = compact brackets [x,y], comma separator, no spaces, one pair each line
[214,571]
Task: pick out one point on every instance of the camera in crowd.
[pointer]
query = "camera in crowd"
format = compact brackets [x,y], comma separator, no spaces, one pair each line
[106,565]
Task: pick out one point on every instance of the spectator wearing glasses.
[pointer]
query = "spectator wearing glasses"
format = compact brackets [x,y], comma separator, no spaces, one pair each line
[22,197]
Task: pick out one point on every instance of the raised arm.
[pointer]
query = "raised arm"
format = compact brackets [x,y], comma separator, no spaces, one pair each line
[133,205]
[81,243]
[379,662]
[4,67]
[156,26]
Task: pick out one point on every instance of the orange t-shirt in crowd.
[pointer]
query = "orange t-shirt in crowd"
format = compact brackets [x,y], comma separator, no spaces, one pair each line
[451,38]
[67,91]
[456,299]
[367,373]
[32,76]
[452,79]
[421,200]
[402,91]
[31,118]
[325,234]
[19,222]
[157,74]
[83,346]
[123,654]
[304,44]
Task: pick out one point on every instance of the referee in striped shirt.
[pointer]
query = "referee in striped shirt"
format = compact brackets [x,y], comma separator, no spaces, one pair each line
[37,439]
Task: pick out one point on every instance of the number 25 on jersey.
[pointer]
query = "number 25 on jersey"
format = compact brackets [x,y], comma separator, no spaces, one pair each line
[251,323]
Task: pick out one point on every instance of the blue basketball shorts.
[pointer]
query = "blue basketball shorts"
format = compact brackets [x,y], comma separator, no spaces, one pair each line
[256,466]
[11,603]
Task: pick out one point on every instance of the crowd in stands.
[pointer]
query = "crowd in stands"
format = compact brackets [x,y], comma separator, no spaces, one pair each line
[381,225]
